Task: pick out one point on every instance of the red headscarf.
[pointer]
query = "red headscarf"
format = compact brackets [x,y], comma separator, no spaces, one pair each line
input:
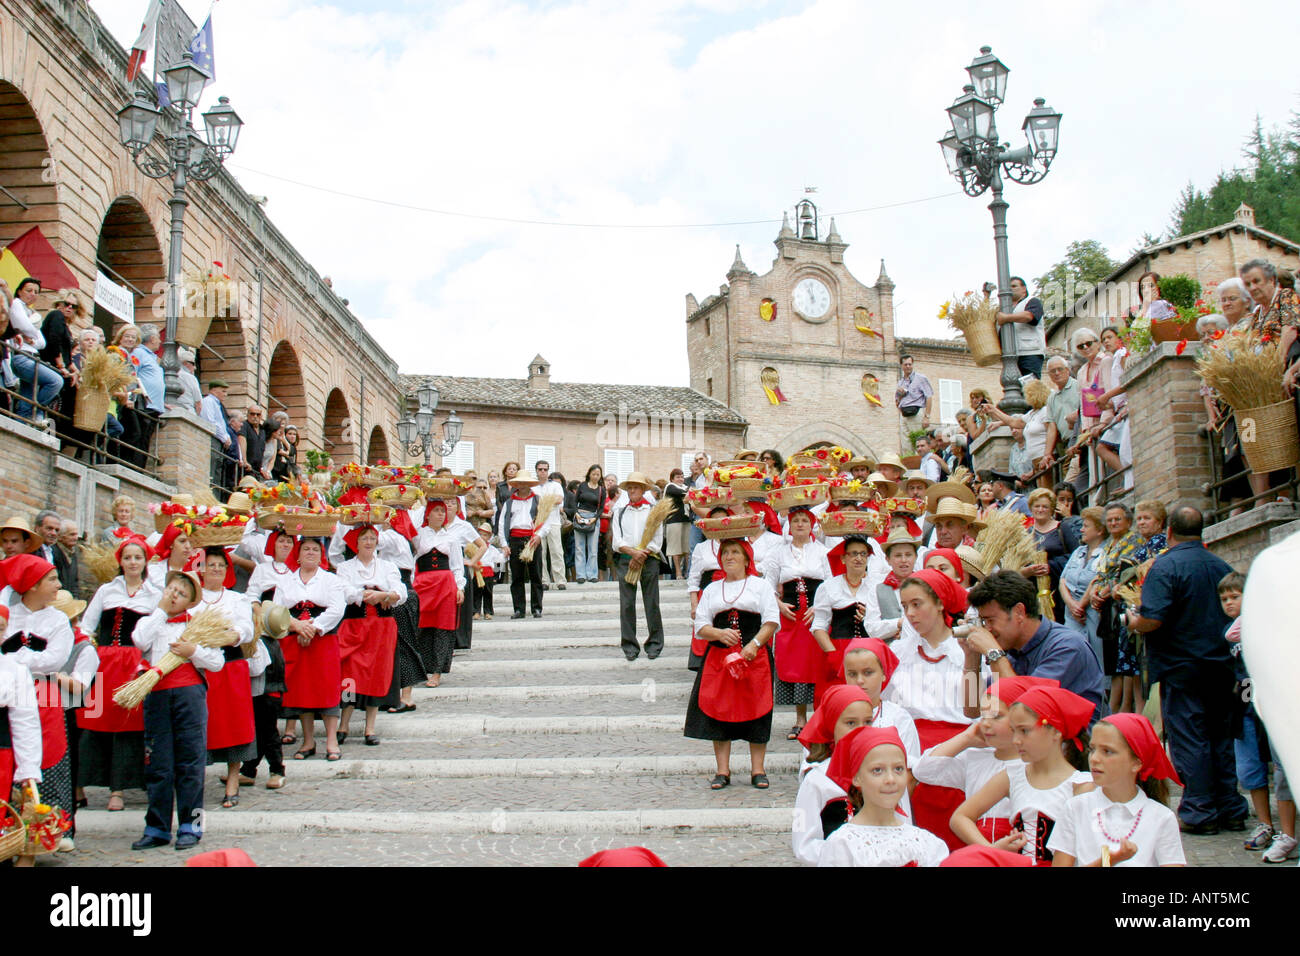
[985,856]
[23,572]
[625,856]
[801,510]
[401,523]
[751,566]
[297,546]
[951,555]
[853,749]
[770,520]
[951,594]
[353,537]
[1141,739]
[1011,689]
[163,549]
[353,496]
[437,503]
[821,728]
[1057,707]
[133,539]
[272,539]
[888,659]
[229,580]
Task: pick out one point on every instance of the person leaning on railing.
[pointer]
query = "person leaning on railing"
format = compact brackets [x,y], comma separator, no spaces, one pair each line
[25,343]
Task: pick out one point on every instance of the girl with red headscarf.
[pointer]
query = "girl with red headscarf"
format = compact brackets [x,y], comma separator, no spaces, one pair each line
[174,553]
[870,764]
[279,562]
[839,613]
[112,740]
[1046,723]
[440,581]
[732,696]
[930,683]
[869,664]
[1126,820]
[821,807]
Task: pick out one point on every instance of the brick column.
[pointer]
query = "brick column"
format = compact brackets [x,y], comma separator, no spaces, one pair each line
[992,450]
[1171,461]
[185,450]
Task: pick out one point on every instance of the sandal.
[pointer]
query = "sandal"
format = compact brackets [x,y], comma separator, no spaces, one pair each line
[404,709]
[759,781]
[341,736]
[794,733]
[372,740]
[720,781]
[232,800]
[304,754]
[433,683]
[116,803]
[332,755]
[288,740]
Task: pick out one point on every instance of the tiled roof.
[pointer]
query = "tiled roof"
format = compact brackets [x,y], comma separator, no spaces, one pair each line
[952,345]
[581,397]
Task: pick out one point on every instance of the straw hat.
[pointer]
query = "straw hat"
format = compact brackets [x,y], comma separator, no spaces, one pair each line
[915,475]
[248,481]
[184,500]
[746,454]
[19,523]
[193,579]
[972,559]
[65,602]
[637,478]
[239,503]
[900,536]
[947,489]
[525,476]
[866,463]
[886,487]
[891,459]
[952,508]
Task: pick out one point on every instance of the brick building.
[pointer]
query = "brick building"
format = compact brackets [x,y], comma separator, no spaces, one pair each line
[622,428]
[793,350]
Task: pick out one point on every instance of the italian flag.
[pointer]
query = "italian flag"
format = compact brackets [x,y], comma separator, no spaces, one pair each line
[140,48]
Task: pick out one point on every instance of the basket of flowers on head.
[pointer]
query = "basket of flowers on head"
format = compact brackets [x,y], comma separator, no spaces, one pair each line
[730,526]
[364,514]
[712,496]
[798,496]
[396,496]
[850,490]
[841,524]
[725,472]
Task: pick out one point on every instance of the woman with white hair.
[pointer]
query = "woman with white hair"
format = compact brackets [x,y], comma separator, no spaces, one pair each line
[1234,302]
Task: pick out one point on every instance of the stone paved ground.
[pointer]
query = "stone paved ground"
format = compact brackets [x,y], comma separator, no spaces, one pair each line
[542,786]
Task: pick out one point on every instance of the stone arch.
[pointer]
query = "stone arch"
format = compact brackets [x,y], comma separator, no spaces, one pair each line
[825,433]
[340,443]
[129,253]
[285,390]
[26,170]
[377,447]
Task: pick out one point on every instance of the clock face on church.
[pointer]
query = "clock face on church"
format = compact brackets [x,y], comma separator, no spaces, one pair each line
[811,299]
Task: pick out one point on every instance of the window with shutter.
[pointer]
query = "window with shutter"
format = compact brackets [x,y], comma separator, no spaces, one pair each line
[950,397]
[618,462]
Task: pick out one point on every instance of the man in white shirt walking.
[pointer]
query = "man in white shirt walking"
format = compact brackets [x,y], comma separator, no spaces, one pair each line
[627,525]
[550,550]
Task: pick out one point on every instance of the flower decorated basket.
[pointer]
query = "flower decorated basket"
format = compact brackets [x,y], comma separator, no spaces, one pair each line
[853,490]
[751,486]
[813,471]
[713,496]
[731,526]
[369,476]
[396,496]
[798,496]
[45,824]
[444,487]
[740,467]
[13,831]
[911,506]
[212,535]
[311,523]
[364,514]
[840,524]
[284,493]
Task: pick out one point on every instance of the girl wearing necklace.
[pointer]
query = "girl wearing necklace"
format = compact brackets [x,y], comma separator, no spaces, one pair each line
[368,634]
[232,735]
[174,553]
[313,677]
[732,697]
[112,743]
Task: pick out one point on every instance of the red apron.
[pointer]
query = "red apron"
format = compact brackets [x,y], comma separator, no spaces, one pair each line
[367,649]
[933,807]
[735,693]
[117,666]
[230,705]
[54,732]
[312,675]
[436,585]
[7,767]
[799,659]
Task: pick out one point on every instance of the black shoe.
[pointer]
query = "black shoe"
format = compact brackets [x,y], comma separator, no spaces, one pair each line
[559,587]
[186,840]
[148,842]
[517,615]
[1235,825]
[651,655]
[632,657]
[1200,829]
[537,612]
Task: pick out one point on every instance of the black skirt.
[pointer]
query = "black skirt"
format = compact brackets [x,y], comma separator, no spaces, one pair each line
[113,760]
[699,725]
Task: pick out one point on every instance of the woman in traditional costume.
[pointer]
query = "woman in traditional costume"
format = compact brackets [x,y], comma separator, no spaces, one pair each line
[368,634]
[440,581]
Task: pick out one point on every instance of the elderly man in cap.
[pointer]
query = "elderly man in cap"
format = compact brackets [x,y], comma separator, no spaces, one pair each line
[627,526]
[213,410]
[191,394]
[1004,489]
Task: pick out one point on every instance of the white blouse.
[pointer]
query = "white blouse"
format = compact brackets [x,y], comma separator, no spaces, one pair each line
[1079,830]
[356,577]
[786,562]
[764,546]
[931,690]
[158,572]
[704,557]
[968,772]
[751,594]
[48,623]
[395,548]
[324,589]
[815,791]
[857,845]
[114,595]
[154,636]
[446,540]
[834,594]
[1039,810]
[18,696]
[232,604]
[265,577]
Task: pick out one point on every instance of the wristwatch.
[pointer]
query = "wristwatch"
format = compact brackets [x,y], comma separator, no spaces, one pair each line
[992,657]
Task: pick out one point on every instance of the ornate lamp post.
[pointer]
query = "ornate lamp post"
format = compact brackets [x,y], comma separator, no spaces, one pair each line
[186,156]
[416,434]
[977,161]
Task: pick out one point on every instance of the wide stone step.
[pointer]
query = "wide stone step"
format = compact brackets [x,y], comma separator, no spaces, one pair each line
[637,689]
[667,741]
[552,625]
[522,644]
[612,664]
[588,607]
[607,648]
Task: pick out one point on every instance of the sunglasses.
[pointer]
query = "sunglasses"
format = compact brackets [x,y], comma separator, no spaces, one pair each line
[1083,345]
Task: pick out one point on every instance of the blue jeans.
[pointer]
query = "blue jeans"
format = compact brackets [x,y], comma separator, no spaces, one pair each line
[586,546]
[49,383]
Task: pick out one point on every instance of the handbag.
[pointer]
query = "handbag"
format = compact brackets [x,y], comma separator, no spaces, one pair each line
[584,520]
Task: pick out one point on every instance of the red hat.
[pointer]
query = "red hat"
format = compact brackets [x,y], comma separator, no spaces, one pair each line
[888,659]
[951,555]
[985,856]
[229,580]
[354,496]
[437,503]
[853,749]
[1057,707]
[272,539]
[1010,689]
[163,549]
[231,857]
[821,728]
[951,594]
[751,566]
[133,539]
[23,572]
[770,520]
[1142,740]
[624,856]
[352,538]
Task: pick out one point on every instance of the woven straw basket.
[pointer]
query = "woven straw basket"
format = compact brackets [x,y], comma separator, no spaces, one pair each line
[92,409]
[1275,446]
[982,340]
[364,514]
[736,526]
[797,496]
[839,524]
[714,496]
[13,842]
[390,495]
[217,536]
[299,522]
[863,492]
[748,486]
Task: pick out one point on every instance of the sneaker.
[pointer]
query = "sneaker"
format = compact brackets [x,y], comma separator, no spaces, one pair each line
[1261,838]
[1282,848]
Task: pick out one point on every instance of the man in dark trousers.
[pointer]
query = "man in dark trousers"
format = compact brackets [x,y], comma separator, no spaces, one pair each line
[1187,654]
[516,524]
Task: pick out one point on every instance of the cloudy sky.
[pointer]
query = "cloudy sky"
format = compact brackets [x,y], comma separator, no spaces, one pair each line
[487,180]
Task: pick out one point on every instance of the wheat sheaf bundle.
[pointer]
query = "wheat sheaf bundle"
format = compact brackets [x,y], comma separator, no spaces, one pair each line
[970,309]
[101,562]
[204,498]
[210,628]
[103,370]
[658,514]
[1046,609]
[544,509]
[1245,370]
[1005,542]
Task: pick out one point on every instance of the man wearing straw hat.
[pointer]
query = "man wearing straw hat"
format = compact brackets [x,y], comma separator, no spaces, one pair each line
[627,527]
[516,520]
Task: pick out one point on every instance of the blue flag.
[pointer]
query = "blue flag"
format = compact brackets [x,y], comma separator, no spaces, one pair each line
[202,50]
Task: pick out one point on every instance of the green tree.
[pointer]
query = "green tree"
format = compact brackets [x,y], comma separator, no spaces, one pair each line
[1085,264]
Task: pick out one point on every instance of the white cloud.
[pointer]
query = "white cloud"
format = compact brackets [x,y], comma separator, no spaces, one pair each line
[673,112]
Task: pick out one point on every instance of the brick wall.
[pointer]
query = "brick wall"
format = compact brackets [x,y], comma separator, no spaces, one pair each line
[1170,459]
